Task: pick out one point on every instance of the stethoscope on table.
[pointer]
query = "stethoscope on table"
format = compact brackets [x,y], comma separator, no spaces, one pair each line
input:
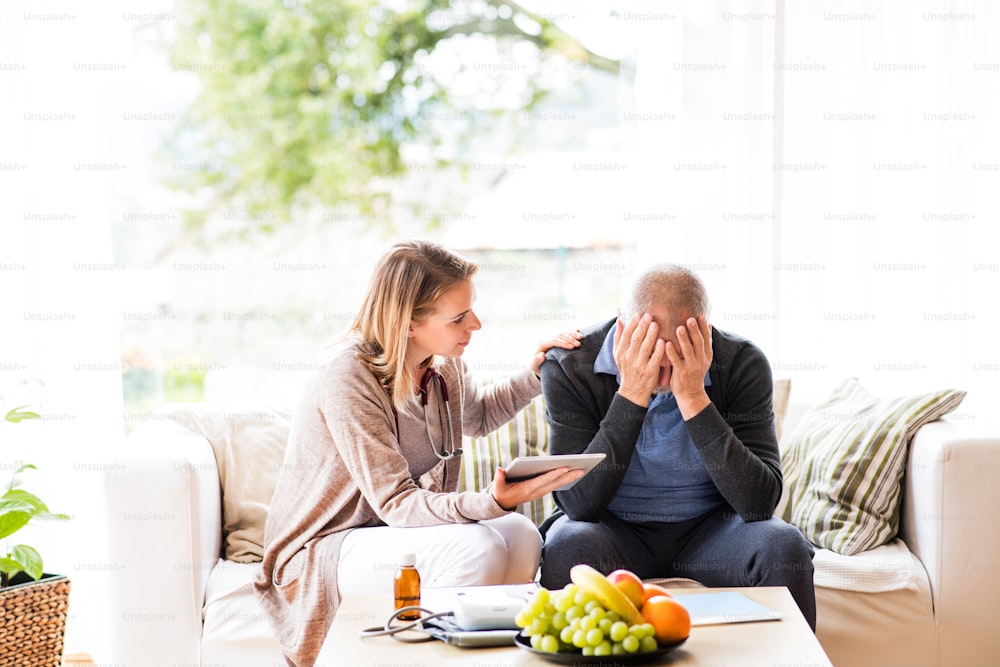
[432,376]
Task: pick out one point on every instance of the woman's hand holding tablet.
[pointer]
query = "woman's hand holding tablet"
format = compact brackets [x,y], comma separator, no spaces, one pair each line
[526,467]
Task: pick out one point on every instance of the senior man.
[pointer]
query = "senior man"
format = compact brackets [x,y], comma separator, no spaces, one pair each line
[683,412]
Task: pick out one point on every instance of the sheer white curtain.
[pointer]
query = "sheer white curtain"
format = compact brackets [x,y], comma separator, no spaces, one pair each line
[889,195]
[832,172]
[704,123]
[59,324]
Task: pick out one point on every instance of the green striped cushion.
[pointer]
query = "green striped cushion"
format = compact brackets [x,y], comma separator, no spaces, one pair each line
[525,435]
[845,461]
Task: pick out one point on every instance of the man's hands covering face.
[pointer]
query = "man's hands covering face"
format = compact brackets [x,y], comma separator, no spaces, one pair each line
[645,362]
[639,353]
[690,360]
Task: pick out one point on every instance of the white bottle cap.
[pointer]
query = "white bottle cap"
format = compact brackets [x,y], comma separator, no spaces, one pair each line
[408,559]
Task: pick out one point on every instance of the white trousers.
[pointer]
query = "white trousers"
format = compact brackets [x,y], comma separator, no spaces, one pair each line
[506,550]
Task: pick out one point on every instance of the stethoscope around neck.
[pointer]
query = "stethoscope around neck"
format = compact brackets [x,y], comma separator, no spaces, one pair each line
[431,376]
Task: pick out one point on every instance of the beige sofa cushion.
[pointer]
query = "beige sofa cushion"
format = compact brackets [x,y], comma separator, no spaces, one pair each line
[890,567]
[249,448]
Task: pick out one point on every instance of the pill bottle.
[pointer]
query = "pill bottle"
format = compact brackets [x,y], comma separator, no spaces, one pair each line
[407,586]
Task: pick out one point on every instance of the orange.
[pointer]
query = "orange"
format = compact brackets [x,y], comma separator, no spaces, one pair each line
[650,590]
[670,620]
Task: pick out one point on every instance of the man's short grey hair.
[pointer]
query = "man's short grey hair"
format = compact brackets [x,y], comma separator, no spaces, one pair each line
[670,286]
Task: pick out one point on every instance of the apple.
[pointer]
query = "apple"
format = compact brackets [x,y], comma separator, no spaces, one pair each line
[652,590]
[630,584]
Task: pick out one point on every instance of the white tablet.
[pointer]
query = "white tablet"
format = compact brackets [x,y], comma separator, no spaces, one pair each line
[526,467]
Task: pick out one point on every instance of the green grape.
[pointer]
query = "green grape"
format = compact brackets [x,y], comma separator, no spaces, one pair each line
[563,602]
[538,626]
[572,619]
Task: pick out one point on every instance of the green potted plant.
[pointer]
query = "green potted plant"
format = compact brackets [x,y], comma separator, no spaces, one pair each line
[32,603]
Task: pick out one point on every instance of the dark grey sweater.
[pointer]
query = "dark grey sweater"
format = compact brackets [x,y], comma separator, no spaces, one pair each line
[734,435]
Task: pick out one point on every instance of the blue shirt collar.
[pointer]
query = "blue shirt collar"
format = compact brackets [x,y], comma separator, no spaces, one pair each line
[605,361]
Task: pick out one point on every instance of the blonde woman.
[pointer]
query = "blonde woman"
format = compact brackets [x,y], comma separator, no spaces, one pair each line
[374,454]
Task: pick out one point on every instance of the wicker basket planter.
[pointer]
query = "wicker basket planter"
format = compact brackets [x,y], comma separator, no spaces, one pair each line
[33,621]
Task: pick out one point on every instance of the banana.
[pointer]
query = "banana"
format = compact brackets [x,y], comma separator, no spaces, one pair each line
[589,579]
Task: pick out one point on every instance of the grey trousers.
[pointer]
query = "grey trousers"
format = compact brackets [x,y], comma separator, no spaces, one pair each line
[716,549]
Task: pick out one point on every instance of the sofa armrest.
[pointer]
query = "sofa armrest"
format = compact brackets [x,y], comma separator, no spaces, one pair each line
[165,529]
[949,503]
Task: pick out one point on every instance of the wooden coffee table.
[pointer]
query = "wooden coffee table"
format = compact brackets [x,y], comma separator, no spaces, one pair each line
[766,643]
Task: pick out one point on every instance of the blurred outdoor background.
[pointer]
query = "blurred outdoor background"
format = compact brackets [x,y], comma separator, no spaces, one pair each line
[193,193]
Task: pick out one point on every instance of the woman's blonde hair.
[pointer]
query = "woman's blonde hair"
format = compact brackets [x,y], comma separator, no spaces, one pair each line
[407,281]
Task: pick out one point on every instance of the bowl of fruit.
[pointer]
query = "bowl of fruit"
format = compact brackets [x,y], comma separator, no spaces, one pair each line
[597,619]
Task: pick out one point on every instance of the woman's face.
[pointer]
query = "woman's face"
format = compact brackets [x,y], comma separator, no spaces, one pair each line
[447,331]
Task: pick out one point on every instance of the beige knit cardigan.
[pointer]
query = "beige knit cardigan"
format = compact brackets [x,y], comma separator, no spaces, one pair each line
[343,469]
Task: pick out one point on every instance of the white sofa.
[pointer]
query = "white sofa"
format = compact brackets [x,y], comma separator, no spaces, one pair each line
[926,599]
